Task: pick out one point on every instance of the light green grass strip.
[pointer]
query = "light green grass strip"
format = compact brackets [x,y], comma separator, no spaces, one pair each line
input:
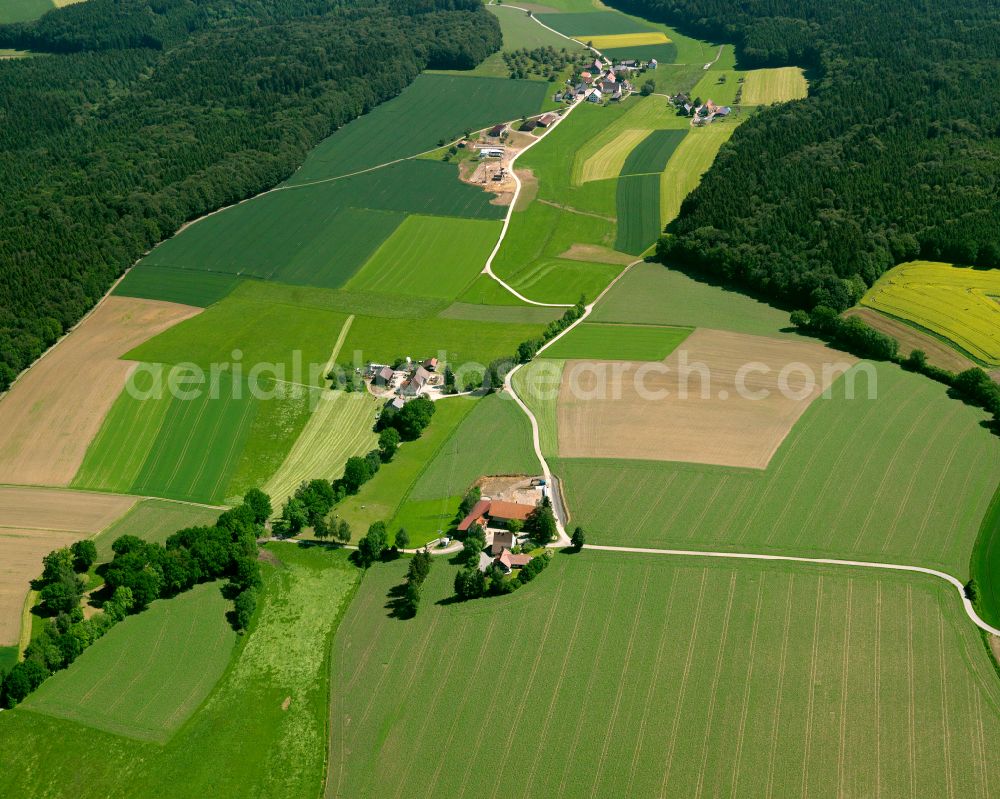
[618,342]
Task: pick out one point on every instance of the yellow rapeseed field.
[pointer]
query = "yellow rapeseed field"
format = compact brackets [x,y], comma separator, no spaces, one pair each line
[626,40]
[959,304]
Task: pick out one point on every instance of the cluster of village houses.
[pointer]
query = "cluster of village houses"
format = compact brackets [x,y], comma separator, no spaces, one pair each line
[606,81]
[703,114]
[405,381]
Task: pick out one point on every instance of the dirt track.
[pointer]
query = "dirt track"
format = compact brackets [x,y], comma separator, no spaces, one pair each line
[52,413]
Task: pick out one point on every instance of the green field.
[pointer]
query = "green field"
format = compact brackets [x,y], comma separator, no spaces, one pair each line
[881,480]
[652,294]
[339,427]
[618,342]
[781,85]
[147,676]
[276,338]
[594,23]
[638,202]
[262,731]
[366,303]
[665,53]
[153,520]
[508,313]
[667,677]
[537,384]
[429,257]
[495,438]
[381,498]
[453,340]
[186,286]
[203,449]
[653,152]
[985,565]
[23,10]
[432,108]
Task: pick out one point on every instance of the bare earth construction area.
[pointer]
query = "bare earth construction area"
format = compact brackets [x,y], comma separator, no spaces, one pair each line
[720,398]
[49,417]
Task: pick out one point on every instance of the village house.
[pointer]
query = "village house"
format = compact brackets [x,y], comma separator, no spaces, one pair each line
[497,131]
[495,514]
[431,364]
[508,561]
[594,96]
[546,119]
[652,63]
[382,375]
[416,383]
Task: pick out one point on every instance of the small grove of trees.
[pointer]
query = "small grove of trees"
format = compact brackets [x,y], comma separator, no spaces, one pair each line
[416,573]
[139,573]
[470,583]
[409,421]
[541,523]
[648,87]
[373,545]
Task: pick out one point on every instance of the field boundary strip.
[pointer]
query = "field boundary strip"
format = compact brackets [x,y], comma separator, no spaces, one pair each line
[866,564]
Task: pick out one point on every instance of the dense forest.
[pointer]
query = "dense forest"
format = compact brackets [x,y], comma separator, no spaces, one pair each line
[147,113]
[895,155]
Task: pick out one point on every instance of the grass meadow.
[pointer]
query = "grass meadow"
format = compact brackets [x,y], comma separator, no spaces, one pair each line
[23,10]
[653,152]
[429,256]
[666,677]
[513,313]
[692,158]
[765,86]
[150,673]
[153,520]
[537,384]
[653,294]
[494,438]
[638,202]
[382,497]
[339,427]
[957,304]
[881,480]
[583,25]
[432,108]
[618,342]
[261,732]
[720,86]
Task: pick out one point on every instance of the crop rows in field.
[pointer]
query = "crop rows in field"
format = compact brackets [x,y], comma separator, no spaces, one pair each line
[339,427]
[186,286]
[537,384]
[882,480]
[653,152]
[957,303]
[150,672]
[692,158]
[725,678]
[638,203]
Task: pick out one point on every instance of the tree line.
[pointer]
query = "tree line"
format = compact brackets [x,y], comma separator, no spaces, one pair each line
[139,573]
[144,114]
[894,155]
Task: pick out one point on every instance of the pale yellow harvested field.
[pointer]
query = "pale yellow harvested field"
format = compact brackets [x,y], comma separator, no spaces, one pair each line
[626,40]
[33,522]
[646,413]
[765,86]
[608,161]
[692,158]
[49,417]
[338,428]
[21,553]
[64,3]
[596,254]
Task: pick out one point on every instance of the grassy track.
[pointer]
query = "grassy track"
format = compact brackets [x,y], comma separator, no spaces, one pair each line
[765,86]
[380,498]
[384,340]
[692,158]
[537,384]
[880,480]
[655,295]
[254,736]
[147,676]
[725,679]
[638,203]
[618,342]
[429,257]
[957,304]
[434,107]
[339,427]
[186,286]
[153,520]
[495,438]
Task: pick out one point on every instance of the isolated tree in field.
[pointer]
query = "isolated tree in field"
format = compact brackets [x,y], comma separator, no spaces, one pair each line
[402,539]
[357,471]
[259,504]
[648,87]
[420,566]
[388,443]
[84,555]
[578,539]
[343,533]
